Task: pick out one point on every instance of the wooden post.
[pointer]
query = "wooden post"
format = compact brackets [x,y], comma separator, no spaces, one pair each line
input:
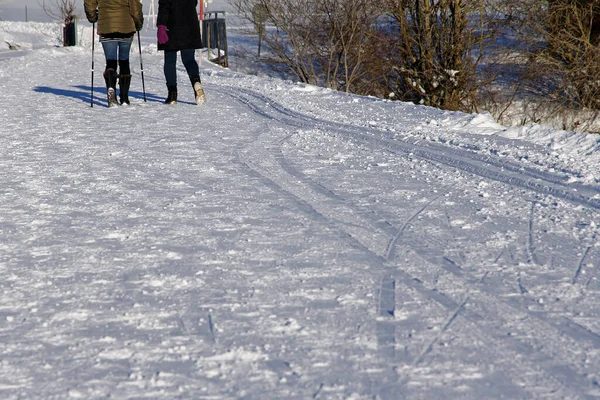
[208,43]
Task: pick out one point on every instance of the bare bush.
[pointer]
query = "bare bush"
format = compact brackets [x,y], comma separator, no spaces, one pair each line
[562,54]
[62,11]
[322,42]
[424,51]
[573,33]
[59,10]
[433,50]
[469,55]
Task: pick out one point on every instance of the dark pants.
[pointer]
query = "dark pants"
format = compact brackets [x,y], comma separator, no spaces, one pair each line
[188,59]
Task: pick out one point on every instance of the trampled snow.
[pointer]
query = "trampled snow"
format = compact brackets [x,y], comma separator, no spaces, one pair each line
[283,241]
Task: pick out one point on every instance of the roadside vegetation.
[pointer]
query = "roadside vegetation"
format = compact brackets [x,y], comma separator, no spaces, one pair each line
[522,61]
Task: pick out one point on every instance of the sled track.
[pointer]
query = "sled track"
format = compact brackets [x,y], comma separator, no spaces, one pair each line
[541,340]
[465,160]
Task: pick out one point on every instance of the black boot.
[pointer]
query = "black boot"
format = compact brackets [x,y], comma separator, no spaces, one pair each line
[172,96]
[198,90]
[124,82]
[110,77]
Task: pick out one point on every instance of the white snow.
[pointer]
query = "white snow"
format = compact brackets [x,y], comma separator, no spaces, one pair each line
[283,241]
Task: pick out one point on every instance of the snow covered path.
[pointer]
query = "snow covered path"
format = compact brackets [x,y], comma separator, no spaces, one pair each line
[284,241]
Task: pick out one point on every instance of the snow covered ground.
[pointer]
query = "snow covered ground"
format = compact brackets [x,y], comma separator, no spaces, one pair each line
[284,241]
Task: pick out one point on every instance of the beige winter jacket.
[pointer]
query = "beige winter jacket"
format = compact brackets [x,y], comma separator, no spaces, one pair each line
[123,16]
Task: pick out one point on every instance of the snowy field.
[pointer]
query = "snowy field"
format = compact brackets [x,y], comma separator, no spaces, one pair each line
[283,241]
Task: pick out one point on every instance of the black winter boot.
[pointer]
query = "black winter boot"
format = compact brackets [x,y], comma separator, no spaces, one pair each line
[110,77]
[172,96]
[124,82]
[198,90]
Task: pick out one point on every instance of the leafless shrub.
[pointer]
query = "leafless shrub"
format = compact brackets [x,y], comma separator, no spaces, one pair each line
[59,10]
[470,55]
[561,48]
[62,11]
[322,42]
[432,51]
[425,51]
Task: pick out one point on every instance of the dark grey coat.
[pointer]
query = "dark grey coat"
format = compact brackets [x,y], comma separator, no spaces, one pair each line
[181,19]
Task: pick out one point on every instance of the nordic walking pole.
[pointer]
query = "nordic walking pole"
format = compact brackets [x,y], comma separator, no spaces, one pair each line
[141,65]
[93,41]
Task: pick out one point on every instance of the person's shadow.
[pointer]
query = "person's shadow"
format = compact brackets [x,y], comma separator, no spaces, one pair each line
[83,93]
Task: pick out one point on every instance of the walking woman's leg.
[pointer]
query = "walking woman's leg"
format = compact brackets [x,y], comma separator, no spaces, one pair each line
[124,51]
[124,71]
[110,72]
[110,54]
[191,66]
[170,69]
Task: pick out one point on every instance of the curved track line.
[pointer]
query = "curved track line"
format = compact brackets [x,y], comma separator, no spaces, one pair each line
[465,160]
[264,156]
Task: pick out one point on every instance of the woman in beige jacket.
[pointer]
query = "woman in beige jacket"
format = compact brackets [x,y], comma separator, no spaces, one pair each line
[118,20]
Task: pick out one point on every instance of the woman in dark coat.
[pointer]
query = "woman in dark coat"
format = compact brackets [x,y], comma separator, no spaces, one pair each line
[179,30]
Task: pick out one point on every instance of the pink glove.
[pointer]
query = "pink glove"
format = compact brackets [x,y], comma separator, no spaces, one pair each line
[161,35]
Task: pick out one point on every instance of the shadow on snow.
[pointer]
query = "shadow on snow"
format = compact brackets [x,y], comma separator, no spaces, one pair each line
[83,93]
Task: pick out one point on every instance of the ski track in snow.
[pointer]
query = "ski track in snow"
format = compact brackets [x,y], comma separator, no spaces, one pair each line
[253,249]
[266,163]
[487,167]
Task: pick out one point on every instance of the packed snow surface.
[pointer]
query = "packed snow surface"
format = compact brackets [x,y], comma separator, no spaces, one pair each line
[283,241]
